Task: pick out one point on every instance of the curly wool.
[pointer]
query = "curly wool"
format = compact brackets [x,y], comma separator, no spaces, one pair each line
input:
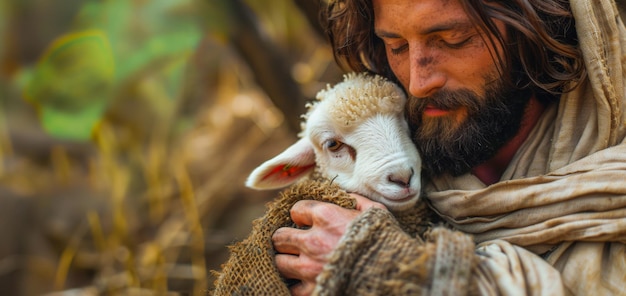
[358,97]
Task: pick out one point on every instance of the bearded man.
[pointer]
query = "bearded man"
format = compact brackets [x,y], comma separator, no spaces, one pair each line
[517,107]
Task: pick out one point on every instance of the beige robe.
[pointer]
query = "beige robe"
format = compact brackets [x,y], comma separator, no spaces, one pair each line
[556,222]
[554,225]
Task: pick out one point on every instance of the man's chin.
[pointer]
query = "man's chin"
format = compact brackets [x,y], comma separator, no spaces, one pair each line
[441,130]
[448,147]
[444,165]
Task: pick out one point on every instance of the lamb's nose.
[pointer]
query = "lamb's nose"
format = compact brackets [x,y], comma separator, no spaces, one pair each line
[401,178]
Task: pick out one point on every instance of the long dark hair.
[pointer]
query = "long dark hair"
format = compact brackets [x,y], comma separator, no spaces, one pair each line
[542,40]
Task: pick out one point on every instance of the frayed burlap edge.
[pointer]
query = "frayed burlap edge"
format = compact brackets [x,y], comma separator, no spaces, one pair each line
[250,270]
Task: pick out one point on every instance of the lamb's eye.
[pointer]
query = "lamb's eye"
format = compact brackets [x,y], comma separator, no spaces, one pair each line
[333,145]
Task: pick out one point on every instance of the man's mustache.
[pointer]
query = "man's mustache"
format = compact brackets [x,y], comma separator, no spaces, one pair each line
[445,100]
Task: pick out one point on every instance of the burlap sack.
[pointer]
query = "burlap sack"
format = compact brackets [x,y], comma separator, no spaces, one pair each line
[250,270]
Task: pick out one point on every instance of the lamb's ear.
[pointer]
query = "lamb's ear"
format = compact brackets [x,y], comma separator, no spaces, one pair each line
[295,162]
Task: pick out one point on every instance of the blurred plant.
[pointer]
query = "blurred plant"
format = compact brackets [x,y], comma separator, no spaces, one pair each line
[111,46]
[152,110]
[72,84]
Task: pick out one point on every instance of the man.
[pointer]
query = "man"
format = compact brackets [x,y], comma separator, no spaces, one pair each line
[518,109]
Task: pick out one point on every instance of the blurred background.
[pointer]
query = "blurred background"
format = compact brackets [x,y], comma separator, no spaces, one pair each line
[128,127]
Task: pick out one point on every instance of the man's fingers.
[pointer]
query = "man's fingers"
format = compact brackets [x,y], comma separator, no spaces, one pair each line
[363,203]
[288,266]
[302,289]
[302,253]
[287,240]
[297,267]
[302,212]
[319,213]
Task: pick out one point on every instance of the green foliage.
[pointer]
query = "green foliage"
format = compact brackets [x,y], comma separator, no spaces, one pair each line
[113,46]
[72,83]
[169,128]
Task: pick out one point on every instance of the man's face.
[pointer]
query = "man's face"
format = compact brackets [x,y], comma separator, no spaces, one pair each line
[453,146]
[459,109]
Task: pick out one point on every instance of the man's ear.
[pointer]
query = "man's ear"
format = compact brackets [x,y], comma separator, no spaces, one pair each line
[295,162]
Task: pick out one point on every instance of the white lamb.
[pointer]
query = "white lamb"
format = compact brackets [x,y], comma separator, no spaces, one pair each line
[357,135]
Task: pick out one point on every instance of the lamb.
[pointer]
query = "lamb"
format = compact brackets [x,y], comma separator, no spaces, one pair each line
[356,134]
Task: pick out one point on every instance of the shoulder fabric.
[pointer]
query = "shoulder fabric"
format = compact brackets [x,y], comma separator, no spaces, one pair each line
[512,270]
[592,267]
[564,190]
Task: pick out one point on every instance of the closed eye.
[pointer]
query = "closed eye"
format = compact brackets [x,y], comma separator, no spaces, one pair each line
[399,50]
[457,45]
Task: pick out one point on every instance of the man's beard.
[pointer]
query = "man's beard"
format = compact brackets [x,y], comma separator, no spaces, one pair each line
[449,146]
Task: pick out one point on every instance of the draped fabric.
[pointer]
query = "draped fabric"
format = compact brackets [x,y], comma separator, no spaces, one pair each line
[555,224]
[564,194]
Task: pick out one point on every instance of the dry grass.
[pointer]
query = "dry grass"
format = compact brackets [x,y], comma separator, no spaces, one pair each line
[150,220]
[148,207]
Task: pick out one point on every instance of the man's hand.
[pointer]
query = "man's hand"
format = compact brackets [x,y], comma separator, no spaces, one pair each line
[302,253]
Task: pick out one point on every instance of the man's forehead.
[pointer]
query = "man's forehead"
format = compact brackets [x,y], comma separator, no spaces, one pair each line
[443,26]
[429,17]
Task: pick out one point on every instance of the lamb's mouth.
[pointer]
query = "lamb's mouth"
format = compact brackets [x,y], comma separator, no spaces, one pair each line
[390,201]
[401,200]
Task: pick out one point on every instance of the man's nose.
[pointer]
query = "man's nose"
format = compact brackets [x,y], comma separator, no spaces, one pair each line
[426,76]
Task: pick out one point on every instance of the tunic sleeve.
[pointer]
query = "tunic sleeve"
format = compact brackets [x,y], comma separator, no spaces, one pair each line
[512,270]
[376,257]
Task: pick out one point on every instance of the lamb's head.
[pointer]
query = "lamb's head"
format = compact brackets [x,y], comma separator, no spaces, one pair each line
[357,135]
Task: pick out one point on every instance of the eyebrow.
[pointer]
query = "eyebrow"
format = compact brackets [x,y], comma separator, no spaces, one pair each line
[442,27]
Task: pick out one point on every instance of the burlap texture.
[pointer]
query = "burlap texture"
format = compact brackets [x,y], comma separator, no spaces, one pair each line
[442,264]
[250,270]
